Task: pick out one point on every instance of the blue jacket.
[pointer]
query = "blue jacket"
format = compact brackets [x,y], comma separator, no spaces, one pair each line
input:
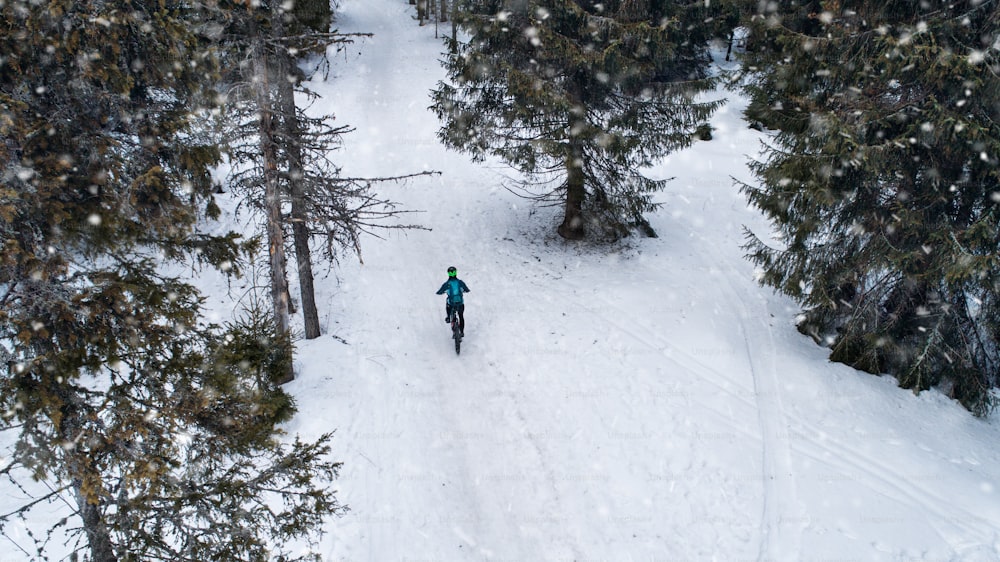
[454,287]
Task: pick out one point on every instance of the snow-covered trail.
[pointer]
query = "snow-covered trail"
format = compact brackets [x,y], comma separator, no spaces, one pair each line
[641,403]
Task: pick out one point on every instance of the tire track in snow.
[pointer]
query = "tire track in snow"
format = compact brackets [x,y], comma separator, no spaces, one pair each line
[776,469]
[550,464]
[659,344]
[783,511]
[548,503]
[791,516]
[775,460]
[963,528]
[845,456]
[471,439]
[774,486]
[482,449]
[783,516]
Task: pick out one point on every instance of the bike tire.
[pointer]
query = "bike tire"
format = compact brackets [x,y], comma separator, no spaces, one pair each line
[457,336]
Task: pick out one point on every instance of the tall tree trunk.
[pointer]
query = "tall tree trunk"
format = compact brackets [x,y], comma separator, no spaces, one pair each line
[293,148]
[454,26]
[576,191]
[272,194]
[71,426]
[443,11]
[101,549]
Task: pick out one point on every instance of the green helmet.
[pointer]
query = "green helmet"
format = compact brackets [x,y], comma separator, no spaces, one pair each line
[452,272]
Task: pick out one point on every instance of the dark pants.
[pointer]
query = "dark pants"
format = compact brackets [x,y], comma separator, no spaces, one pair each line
[460,309]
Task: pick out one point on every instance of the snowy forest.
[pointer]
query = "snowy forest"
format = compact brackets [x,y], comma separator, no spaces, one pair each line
[148,148]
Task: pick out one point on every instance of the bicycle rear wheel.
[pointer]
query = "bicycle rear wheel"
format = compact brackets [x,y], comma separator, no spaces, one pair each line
[456,334]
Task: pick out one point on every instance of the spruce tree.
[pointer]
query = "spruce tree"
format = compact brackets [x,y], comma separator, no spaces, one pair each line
[116,396]
[579,96]
[881,177]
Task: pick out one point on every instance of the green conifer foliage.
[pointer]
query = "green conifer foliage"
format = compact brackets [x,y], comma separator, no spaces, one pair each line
[579,97]
[881,178]
[312,16]
[114,392]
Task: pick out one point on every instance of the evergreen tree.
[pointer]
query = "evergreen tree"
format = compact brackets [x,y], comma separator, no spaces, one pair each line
[115,395]
[578,96]
[881,177]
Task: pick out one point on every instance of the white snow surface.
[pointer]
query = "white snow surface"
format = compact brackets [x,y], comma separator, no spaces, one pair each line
[639,402]
[646,401]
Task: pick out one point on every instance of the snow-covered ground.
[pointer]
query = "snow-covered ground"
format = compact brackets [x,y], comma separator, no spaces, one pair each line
[642,402]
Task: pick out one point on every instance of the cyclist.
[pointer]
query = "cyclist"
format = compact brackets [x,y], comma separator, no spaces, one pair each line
[454,287]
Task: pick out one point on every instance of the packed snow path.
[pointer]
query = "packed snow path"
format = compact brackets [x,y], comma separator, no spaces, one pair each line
[648,402]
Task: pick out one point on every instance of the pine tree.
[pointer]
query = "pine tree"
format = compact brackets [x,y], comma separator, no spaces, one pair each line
[115,394]
[881,178]
[578,96]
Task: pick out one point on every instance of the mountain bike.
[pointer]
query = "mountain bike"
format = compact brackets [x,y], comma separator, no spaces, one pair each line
[456,331]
